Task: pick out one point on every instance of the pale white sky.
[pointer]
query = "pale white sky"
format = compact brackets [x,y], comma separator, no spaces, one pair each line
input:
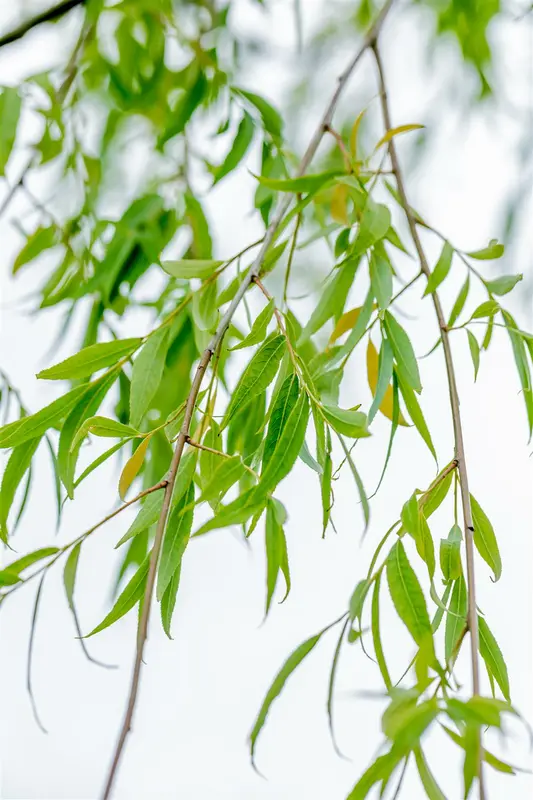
[200,693]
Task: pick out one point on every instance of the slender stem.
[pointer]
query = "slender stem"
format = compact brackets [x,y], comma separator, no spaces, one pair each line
[199,446]
[454,403]
[291,256]
[316,139]
[342,147]
[51,14]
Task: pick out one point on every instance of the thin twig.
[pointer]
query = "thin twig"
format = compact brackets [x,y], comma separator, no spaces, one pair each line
[49,15]
[31,642]
[454,403]
[342,147]
[291,256]
[197,381]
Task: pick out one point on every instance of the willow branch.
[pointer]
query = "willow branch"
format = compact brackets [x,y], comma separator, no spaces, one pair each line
[50,15]
[254,272]
[454,400]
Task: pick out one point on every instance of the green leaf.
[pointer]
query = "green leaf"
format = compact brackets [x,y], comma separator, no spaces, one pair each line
[304,184]
[385,364]
[407,595]
[22,430]
[363,497]
[502,285]
[103,426]
[257,376]
[487,309]
[403,352]
[21,564]
[460,302]
[168,601]
[357,600]
[492,251]
[325,492]
[450,554]
[146,375]
[379,770]
[432,499]
[16,467]
[485,539]
[358,329]
[10,106]
[350,423]
[282,407]
[100,460]
[177,534]
[520,357]
[427,778]
[474,352]
[373,226]
[189,268]
[238,512]
[41,239]
[276,552]
[226,474]
[456,619]
[287,448]
[271,118]
[204,307]
[415,412]
[128,598]
[308,459]
[376,635]
[405,722]
[493,657]
[442,268]
[490,759]
[69,573]
[332,300]
[259,328]
[239,148]
[90,360]
[381,278]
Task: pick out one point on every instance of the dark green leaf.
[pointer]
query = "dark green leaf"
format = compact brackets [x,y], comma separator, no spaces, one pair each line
[90,360]
[289,444]
[271,118]
[177,534]
[227,473]
[282,407]
[332,300]
[325,491]
[127,599]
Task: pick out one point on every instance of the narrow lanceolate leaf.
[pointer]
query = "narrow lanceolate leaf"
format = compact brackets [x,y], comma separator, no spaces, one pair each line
[100,460]
[177,534]
[363,497]
[488,757]
[450,555]
[459,303]
[332,299]
[381,278]
[225,475]
[132,468]
[442,268]
[10,107]
[270,117]
[239,148]
[379,770]
[146,375]
[392,132]
[345,421]
[128,598]
[376,635]
[503,285]
[257,376]
[42,239]
[16,467]
[493,250]
[168,601]
[522,365]
[259,328]
[456,619]
[485,539]
[21,564]
[306,184]
[293,661]
[379,372]
[325,491]
[415,412]
[282,408]
[90,360]
[15,433]
[373,226]
[192,268]
[276,552]
[407,595]
[69,573]
[238,512]
[432,789]
[474,352]
[433,498]
[103,426]
[487,309]
[493,657]
[287,448]
[403,352]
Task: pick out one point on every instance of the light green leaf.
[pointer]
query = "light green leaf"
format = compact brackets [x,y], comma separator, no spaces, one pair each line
[10,106]
[188,268]
[226,474]
[90,360]
[403,352]
[308,459]
[487,309]
[490,759]
[239,148]
[363,497]
[373,226]
[442,268]
[238,512]
[493,250]
[450,554]
[456,619]
[103,426]
[289,443]
[384,377]
[168,601]
[304,184]
[460,302]
[204,307]
[474,352]
[502,285]
[351,423]
[407,595]
[485,539]
[100,460]
[379,770]
[381,278]
[415,412]
[357,600]
[276,552]
[432,499]
[42,239]
[271,118]
[282,407]
[325,492]
[520,357]
[257,376]
[493,657]
[376,635]
[128,598]
[69,573]
[332,299]
[146,375]
[22,430]
[16,467]
[177,534]
[259,328]
[427,778]
[21,564]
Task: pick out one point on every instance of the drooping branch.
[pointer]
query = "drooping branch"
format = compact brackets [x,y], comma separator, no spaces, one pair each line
[454,400]
[212,347]
[50,15]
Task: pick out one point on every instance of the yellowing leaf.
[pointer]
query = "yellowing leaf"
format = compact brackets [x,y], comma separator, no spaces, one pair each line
[394,132]
[338,204]
[355,131]
[132,467]
[345,324]
[386,405]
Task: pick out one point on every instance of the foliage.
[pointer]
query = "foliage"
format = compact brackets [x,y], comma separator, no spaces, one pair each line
[200,444]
